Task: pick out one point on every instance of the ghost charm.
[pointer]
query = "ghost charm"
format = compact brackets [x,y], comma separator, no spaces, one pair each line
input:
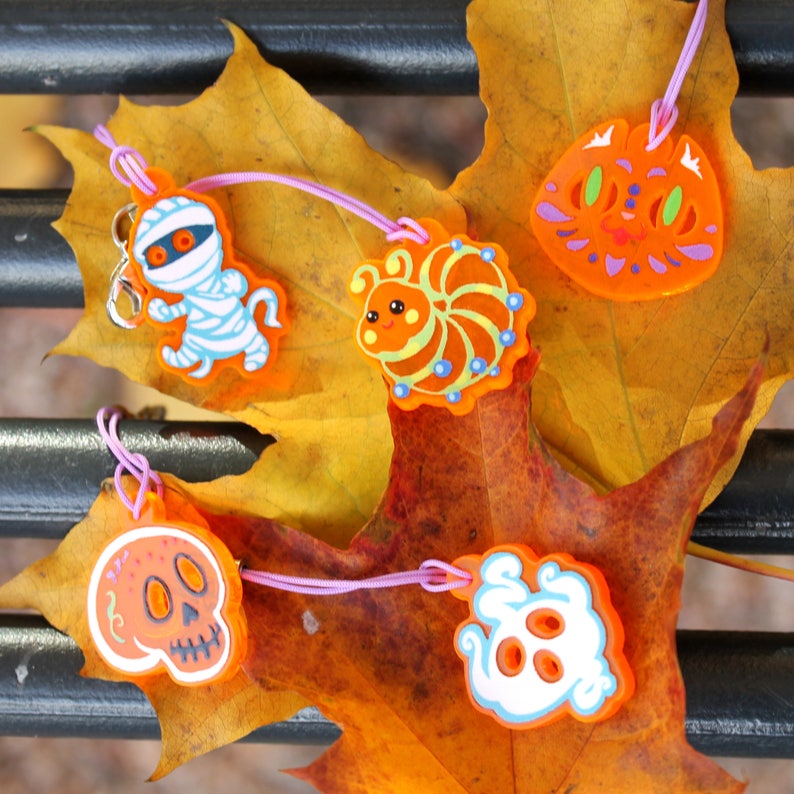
[223,316]
[165,597]
[542,639]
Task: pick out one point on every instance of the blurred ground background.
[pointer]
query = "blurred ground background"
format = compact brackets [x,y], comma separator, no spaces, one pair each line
[435,136]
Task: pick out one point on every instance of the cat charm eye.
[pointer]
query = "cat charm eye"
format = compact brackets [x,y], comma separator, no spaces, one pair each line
[627,223]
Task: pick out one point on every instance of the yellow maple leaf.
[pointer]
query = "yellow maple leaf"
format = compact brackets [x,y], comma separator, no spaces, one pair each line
[327,407]
[624,384]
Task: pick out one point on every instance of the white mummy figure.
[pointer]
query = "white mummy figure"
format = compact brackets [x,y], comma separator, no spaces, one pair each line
[180,250]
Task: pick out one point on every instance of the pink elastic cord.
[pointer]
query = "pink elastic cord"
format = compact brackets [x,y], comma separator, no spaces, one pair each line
[664,111]
[137,465]
[128,166]
[126,163]
[432,575]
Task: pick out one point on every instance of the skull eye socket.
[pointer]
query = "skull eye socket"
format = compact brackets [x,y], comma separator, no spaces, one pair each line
[183,241]
[156,256]
[157,599]
[191,574]
[548,666]
[545,623]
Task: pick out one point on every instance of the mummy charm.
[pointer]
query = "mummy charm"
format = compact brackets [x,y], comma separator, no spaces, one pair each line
[224,315]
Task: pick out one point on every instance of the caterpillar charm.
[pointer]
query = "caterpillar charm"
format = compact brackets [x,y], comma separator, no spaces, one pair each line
[225,315]
[445,321]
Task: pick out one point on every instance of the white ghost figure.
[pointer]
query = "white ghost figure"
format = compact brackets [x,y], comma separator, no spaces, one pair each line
[543,651]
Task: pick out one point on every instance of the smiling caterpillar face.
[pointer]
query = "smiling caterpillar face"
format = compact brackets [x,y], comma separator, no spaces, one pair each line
[627,223]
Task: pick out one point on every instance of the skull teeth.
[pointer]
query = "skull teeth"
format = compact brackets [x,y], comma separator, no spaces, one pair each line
[193,648]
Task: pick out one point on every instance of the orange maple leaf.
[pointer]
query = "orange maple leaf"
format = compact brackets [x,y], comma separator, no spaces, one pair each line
[382,663]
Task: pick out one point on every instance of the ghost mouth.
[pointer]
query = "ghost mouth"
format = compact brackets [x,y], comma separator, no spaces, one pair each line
[622,235]
[192,648]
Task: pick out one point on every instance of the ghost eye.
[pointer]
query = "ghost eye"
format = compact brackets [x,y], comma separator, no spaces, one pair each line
[548,666]
[372,317]
[191,574]
[510,656]
[545,623]
[156,255]
[396,307]
[183,241]
[157,599]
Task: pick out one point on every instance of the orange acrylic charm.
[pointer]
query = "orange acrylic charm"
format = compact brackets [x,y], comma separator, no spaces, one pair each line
[445,322]
[165,597]
[224,315]
[542,639]
[627,223]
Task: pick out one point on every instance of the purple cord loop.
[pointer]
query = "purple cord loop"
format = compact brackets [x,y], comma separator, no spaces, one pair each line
[129,167]
[435,576]
[664,111]
[402,229]
[126,164]
[432,575]
[137,465]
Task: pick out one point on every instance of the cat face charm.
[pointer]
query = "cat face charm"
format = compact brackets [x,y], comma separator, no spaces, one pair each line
[630,224]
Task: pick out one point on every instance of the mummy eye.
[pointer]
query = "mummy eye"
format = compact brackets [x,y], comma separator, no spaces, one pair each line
[183,241]
[372,317]
[396,307]
[156,255]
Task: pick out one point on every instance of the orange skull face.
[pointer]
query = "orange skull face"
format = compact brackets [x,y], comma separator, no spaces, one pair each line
[167,598]
[629,224]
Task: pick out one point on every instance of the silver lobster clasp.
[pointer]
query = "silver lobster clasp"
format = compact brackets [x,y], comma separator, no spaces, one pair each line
[120,283]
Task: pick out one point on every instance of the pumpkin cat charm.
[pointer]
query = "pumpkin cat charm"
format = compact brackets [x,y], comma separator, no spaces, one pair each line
[445,321]
[627,223]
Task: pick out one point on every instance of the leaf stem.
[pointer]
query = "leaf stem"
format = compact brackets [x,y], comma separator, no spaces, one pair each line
[741,563]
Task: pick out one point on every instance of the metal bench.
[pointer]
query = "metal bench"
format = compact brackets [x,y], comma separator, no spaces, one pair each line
[740,686]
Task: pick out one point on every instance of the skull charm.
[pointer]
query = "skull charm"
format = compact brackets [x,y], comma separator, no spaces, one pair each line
[542,639]
[166,598]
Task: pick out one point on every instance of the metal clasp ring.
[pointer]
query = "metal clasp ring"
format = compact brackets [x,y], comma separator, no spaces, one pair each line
[120,282]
